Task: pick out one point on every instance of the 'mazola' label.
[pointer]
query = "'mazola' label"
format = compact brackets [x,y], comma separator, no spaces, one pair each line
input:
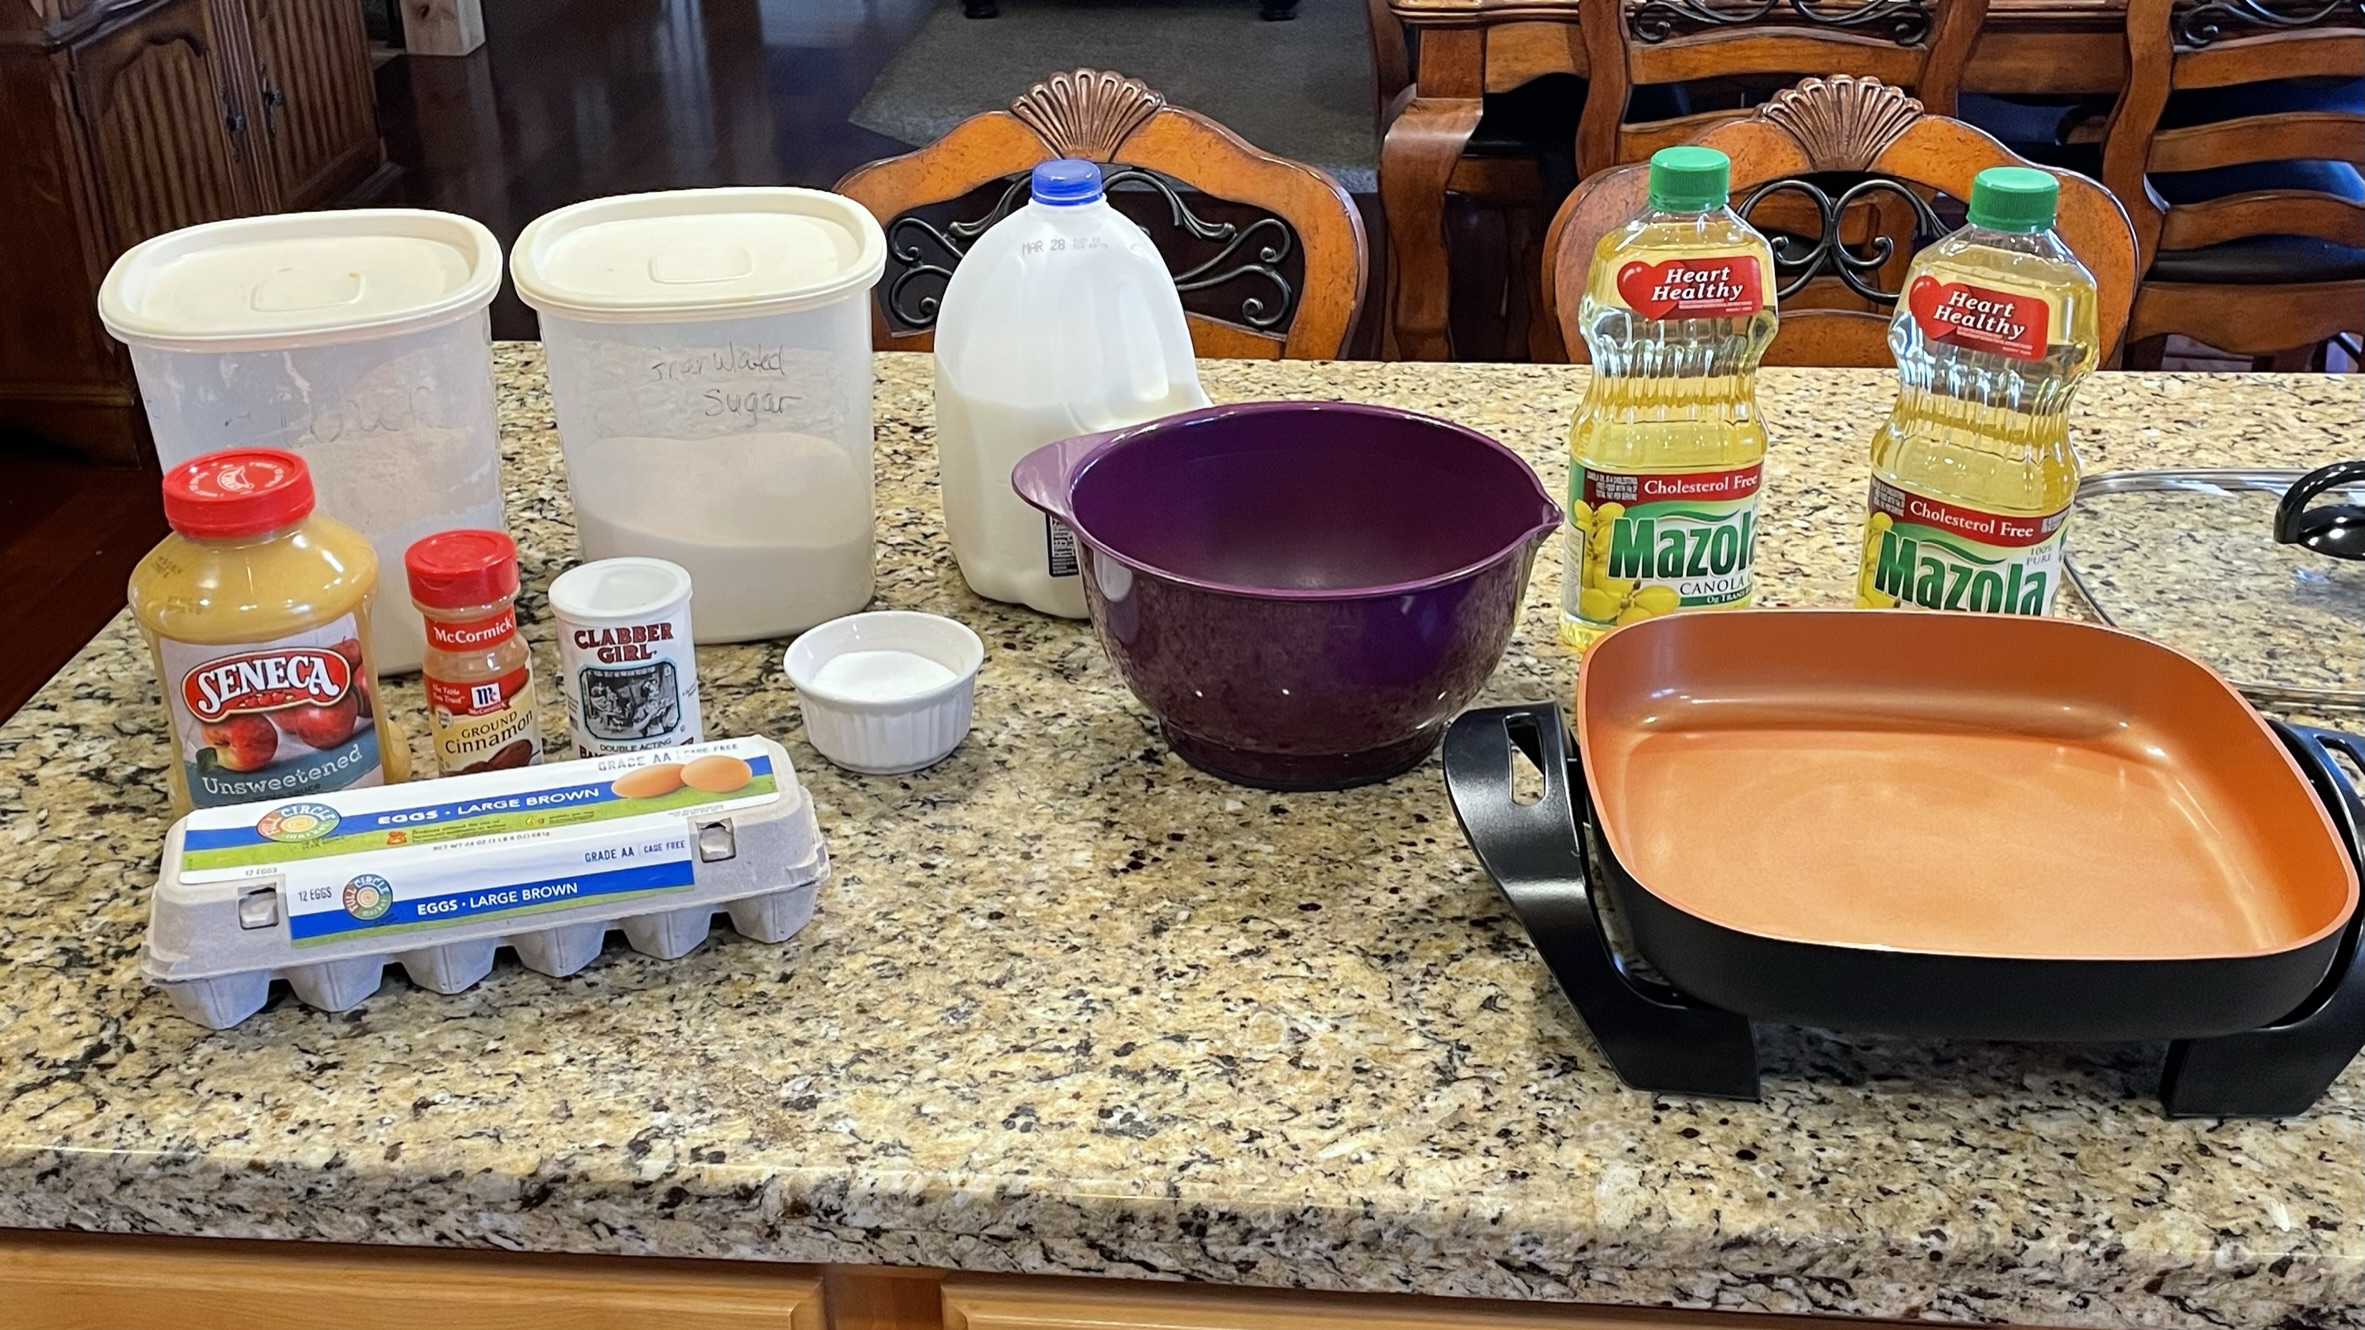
[1644,544]
[1712,286]
[1943,556]
[2009,321]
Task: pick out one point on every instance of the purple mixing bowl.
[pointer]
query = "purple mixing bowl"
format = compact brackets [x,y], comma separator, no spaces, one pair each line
[1303,593]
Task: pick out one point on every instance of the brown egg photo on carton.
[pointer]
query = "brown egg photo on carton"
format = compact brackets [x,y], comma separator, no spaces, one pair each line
[649,782]
[718,774]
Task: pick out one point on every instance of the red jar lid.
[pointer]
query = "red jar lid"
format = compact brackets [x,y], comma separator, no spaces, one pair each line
[456,569]
[237,492]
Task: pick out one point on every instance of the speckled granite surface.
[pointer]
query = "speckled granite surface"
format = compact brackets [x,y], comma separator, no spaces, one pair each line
[1072,1007]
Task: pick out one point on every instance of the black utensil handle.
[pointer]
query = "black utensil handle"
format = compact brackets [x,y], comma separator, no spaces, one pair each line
[2283,1069]
[2304,490]
[1654,1038]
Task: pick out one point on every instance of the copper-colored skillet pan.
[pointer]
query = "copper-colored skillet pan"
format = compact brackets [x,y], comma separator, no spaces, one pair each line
[1926,824]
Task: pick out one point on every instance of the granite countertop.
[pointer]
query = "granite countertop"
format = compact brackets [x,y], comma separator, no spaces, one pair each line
[1073,1007]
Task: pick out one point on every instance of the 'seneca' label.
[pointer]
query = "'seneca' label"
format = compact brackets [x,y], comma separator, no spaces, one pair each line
[272,720]
[1649,543]
[1944,556]
[2005,320]
[1712,286]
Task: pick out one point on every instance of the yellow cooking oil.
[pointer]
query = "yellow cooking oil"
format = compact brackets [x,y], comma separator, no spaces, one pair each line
[1973,473]
[1667,449]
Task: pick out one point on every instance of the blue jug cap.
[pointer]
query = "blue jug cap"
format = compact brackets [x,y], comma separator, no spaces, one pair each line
[1066,182]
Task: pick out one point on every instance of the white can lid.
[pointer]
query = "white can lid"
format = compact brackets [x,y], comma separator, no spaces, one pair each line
[694,254]
[300,279]
[614,591]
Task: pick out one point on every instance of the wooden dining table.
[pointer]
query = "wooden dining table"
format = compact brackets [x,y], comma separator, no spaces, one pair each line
[1469,48]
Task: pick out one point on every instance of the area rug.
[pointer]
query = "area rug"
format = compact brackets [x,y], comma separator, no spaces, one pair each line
[1300,89]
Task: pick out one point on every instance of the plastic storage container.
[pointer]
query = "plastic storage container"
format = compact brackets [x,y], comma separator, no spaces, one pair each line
[710,366]
[1062,320]
[358,340]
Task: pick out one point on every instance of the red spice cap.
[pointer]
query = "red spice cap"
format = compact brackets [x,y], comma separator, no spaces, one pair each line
[456,569]
[237,492]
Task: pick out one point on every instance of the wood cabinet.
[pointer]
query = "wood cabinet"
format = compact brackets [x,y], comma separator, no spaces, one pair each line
[123,119]
[62,1281]
[77,1282]
[164,127]
[314,101]
[990,1303]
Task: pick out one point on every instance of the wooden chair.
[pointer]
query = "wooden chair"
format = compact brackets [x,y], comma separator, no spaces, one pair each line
[1843,127]
[2276,265]
[1282,280]
[1920,45]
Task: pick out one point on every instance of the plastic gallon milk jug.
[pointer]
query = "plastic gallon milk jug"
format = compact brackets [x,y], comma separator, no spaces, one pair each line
[1061,321]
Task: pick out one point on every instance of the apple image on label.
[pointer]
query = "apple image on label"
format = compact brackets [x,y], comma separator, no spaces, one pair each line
[350,649]
[324,726]
[242,742]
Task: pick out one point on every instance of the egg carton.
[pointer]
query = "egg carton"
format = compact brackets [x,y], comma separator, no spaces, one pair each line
[435,876]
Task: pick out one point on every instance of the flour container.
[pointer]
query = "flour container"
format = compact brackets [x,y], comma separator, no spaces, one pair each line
[710,367]
[357,340]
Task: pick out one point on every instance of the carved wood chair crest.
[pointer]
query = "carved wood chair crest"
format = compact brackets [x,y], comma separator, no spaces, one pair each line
[1841,125]
[1267,253]
[1088,113]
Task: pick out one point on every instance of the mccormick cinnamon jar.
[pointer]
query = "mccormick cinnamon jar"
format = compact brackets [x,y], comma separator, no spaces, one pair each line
[257,614]
[479,676]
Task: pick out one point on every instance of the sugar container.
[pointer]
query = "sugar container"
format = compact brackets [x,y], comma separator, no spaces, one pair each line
[710,368]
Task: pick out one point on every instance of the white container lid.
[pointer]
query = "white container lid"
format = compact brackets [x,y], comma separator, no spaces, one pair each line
[620,591]
[300,279]
[695,254]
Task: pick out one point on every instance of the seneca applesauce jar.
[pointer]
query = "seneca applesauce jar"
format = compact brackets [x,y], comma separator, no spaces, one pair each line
[256,610]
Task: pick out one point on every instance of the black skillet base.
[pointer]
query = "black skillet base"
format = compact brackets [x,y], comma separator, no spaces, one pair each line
[1661,1040]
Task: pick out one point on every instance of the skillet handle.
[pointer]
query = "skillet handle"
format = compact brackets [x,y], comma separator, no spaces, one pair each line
[1655,1038]
[2281,1070]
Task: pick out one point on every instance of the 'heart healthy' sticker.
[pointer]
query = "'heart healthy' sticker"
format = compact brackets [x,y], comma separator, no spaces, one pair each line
[1982,318]
[1717,286]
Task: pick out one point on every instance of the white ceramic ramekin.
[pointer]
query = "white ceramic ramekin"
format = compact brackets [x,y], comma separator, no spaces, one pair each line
[864,723]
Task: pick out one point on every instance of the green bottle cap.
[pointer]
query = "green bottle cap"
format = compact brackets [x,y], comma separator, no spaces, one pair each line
[2013,198]
[1689,178]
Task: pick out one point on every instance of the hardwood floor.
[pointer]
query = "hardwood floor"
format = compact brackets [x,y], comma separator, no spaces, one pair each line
[69,535]
[574,99]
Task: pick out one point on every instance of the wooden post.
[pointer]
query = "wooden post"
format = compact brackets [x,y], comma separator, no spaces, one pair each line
[442,27]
